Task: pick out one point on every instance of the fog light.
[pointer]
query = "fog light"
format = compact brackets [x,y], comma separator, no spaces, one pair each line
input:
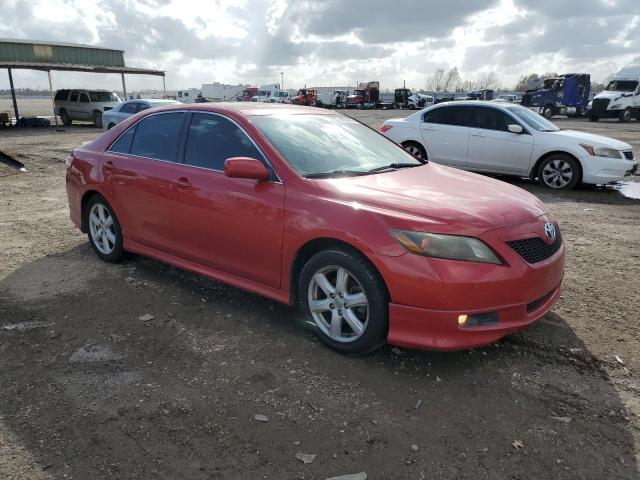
[478,320]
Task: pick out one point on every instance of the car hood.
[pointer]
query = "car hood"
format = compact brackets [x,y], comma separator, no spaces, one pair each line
[592,139]
[440,198]
[611,95]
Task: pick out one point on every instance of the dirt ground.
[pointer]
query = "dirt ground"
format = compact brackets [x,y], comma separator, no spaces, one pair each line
[91,391]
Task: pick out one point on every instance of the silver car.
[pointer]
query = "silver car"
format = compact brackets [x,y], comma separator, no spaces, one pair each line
[124,110]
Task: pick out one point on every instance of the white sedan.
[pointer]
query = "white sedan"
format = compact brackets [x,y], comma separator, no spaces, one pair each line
[122,111]
[509,139]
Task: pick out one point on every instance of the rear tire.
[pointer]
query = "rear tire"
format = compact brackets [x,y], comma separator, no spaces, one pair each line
[346,299]
[64,116]
[559,172]
[97,119]
[110,126]
[547,112]
[103,230]
[415,149]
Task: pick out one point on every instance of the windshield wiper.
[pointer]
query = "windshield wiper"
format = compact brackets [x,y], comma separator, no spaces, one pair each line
[395,166]
[335,173]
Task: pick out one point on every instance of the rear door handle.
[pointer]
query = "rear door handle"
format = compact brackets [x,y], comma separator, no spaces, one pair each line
[183,182]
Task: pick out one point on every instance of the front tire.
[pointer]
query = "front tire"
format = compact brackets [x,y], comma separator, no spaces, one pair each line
[346,299]
[103,230]
[559,172]
[625,115]
[547,112]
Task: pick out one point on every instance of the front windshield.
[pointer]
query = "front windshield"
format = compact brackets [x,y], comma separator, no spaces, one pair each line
[319,144]
[622,86]
[533,120]
[103,97]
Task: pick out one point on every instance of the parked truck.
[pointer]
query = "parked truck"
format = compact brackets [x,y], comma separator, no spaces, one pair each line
[335,99]
[621,98]
[265,92]
[247,94]
[484,94]
[367,95]
[305,96]
[566,94]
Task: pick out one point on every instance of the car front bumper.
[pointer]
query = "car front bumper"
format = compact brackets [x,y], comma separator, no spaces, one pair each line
[601,170]
[428,295]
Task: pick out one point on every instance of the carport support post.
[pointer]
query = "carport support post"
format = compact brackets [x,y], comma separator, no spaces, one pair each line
[164,88]
[13,96]
[124,87]
[53,102]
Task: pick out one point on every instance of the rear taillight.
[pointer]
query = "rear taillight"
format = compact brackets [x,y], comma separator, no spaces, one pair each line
[385,128]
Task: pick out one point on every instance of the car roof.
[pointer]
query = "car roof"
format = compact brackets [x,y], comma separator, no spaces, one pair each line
[154,100]
[250,109]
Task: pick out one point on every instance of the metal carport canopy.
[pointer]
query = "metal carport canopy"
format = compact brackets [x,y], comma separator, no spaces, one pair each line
[51,56]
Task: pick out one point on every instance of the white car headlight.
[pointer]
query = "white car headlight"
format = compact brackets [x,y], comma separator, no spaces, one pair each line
[451,247]
[601,151]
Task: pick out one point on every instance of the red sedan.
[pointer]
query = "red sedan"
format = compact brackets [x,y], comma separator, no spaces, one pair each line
[308,206]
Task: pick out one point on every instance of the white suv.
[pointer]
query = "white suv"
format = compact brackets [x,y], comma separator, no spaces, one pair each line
[84,105]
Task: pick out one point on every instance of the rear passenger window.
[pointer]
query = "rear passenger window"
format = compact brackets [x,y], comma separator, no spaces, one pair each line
[84,98]
[123,144]
[212,139]
[157,136]
[453,115]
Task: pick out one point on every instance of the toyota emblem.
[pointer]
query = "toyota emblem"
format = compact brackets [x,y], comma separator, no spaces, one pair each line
[550,231]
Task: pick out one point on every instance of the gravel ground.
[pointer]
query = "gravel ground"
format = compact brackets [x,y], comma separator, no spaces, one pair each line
[91,391]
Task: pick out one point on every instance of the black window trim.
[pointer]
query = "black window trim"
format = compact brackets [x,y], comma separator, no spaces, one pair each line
[179,160]
[505,111]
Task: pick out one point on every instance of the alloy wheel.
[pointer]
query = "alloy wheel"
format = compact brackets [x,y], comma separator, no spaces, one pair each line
[557,173]
[338,304]
[102,228]
[413,150]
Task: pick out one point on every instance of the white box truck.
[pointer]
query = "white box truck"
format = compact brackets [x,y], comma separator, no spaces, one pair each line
[621,98]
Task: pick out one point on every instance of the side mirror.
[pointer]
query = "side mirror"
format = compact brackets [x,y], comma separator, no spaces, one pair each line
[513,128]
[245,167]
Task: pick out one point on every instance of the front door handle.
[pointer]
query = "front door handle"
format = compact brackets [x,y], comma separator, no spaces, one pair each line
[183,182]
[108,165]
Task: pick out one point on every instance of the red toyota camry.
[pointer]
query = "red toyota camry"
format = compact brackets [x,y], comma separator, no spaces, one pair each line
[308,206]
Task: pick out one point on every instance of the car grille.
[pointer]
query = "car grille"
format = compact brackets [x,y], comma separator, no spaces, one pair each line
[628,155]
[599,105]
[534,250]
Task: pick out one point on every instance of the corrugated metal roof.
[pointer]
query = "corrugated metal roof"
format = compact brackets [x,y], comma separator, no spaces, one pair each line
[79,68]
[57,44]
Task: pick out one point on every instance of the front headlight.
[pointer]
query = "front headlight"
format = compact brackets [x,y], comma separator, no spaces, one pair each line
[601,151]
[451,247]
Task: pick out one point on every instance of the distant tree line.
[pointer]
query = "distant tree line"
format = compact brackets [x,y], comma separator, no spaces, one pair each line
[451,81]
[25,92]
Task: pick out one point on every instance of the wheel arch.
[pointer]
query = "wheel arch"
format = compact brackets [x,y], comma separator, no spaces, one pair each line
[543,157]
[86,196]
[310,248]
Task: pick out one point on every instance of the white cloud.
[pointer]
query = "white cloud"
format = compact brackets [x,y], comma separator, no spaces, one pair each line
[325,42]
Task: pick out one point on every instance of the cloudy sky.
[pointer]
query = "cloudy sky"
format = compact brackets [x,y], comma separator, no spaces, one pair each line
[331,42]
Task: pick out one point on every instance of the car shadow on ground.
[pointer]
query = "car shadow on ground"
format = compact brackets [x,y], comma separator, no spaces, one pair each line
[140,370]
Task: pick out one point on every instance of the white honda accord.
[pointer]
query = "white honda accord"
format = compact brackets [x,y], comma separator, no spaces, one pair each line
[510,139]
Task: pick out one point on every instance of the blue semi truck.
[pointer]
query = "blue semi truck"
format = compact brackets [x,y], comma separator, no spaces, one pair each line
[566,94]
